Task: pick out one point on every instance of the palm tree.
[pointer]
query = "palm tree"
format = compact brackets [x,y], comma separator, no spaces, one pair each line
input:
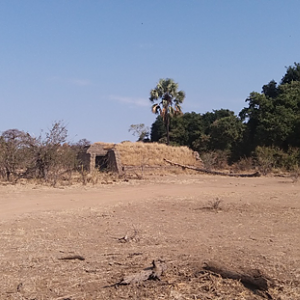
[169,101]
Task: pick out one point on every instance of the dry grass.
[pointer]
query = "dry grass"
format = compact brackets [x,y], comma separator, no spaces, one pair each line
[32,248]
[106,146]
[152,154]
[141,159]
[215,204]
[258,231]
[75,178]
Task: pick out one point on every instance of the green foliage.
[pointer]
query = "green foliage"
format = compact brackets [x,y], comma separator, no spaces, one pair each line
[270,90]
[226,132]
[158,130]
[274,157]
[266,133]
[217,130]
[271,120]
[292,74]
[169,101]
[222,130]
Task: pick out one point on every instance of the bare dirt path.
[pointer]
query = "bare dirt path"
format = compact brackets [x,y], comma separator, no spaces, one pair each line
[18,200]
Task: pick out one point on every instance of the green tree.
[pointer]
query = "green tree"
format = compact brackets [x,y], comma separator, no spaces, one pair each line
[259,107]
[169,101]
[270,89]
[178,131]
[272,117]
[186,129]
[292,74]
[158,130]
[289,101]
[226,132]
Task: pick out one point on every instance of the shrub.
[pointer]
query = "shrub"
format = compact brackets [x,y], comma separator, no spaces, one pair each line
[215,160]
[267,158]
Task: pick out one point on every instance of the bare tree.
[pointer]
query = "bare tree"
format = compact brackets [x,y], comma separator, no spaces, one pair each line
[17,153]
[141,131]
[47,157]
[54,155]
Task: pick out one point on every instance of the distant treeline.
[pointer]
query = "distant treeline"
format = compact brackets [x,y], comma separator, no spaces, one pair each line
[266,134]
[268,129]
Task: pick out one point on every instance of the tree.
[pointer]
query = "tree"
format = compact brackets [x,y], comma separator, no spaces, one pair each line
[17,149]
[187,129]
[226,132]
[158,130]
[270,89]
[169,101]
[292,74]
[53,154]
[259,107]
[272,122]
[141,131]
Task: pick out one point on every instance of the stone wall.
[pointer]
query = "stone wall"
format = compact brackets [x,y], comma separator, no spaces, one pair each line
[113,157]
[93,151]
[114,161]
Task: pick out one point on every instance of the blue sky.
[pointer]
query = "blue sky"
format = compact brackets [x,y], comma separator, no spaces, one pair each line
[92,64]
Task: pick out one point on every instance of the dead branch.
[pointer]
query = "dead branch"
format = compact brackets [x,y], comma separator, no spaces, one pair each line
[252,278]
[128,238]
[72,257]
[153,273]
[256,174]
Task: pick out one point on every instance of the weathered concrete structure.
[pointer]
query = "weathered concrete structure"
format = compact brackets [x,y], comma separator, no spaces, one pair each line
[97,157]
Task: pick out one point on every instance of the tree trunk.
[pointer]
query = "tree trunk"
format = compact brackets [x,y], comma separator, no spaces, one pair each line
[252,278]
[256,174]
[7,175]
[168,129]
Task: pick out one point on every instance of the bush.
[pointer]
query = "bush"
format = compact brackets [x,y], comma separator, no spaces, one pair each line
[244,164]
[215,160]
[267,158]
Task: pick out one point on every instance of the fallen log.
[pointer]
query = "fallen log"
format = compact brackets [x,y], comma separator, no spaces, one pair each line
[153,273]
[252,278]
[256,174]
[72,257]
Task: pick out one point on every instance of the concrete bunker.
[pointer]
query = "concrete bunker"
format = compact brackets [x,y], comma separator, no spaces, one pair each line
[101,162]
[97,157]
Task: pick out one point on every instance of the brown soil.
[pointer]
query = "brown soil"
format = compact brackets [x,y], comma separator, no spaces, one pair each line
[120,229]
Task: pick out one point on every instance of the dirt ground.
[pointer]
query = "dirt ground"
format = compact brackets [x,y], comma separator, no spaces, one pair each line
[111,231]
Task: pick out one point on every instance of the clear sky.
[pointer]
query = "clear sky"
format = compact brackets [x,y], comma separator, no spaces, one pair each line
[93,63]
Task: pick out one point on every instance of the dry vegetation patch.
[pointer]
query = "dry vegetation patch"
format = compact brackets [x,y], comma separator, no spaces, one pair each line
[84,253]
[152,154]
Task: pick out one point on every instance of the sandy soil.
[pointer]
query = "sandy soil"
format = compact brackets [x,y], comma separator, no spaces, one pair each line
[119,229]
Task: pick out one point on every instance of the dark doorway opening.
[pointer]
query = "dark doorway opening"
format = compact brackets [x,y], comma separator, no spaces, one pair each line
[101,162]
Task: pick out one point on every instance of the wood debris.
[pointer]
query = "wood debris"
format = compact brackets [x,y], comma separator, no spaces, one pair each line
[256,174]
[152,273]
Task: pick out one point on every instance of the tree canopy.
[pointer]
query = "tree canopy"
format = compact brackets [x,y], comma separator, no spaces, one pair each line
[168,101]
[271,118]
